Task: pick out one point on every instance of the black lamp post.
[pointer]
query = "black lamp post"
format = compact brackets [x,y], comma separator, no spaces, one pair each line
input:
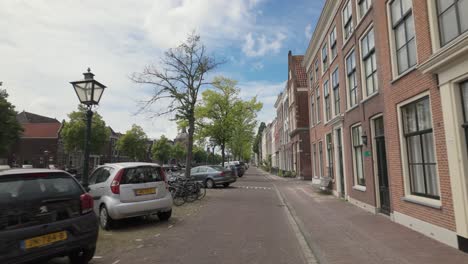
[89,92]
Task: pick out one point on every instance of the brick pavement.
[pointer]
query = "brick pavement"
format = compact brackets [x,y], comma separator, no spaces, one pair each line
[339,232]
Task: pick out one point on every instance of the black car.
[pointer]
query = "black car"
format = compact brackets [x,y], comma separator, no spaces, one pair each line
[45,214]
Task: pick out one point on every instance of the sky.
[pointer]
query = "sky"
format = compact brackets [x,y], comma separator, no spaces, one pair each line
[45,44]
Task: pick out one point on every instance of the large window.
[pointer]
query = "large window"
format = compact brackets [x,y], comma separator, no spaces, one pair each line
[317,97]
[464,93]
[453,20]
[321,159]
[358,161]
[314,159]
[336,91]
[333,46]
[369,62]
[348,26]
[419,140]
[324,58]
[317,76]
[326,96]
[352,81]
[330,155]
[363,6]
[312,109]
[404,33]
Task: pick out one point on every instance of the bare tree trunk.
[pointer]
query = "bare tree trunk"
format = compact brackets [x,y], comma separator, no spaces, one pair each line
[188,160]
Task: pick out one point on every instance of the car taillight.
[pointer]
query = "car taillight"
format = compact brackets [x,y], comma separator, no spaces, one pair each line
[87,203]
[115,185]
[222,173]
[163,173]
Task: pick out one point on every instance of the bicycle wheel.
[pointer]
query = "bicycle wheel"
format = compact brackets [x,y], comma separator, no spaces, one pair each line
[177,196]
[201,191]
[190,192]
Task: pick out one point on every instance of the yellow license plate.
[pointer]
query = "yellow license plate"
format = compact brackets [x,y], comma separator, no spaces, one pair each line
[145,191]
[44,240]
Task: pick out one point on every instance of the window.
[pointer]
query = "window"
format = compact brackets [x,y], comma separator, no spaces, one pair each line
[452,19]
[352,81]
[336,91]
[364,6]
[317,96]
[316,71]
[321,159]
[348,20]
[369,62]
[419,140]
[325,58]
[333,46]
[314,152]
[358,161]
[326,96]
[404,34]
[312,109]
[464,96]
[311,78]
[330,155]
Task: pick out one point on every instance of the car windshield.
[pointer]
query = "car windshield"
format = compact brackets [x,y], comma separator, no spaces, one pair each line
[37,187]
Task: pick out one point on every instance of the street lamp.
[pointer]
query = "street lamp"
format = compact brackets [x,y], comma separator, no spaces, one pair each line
[89,92]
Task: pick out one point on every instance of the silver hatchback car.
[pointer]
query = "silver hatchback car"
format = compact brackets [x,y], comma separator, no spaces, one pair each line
[124,190]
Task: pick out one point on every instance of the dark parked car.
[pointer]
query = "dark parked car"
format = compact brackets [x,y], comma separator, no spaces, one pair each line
[213,175]
[45,214]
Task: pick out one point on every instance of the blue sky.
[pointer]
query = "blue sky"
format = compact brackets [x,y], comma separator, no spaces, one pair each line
[47,43]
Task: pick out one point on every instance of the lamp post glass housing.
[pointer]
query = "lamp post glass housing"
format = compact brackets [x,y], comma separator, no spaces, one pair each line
[89,92]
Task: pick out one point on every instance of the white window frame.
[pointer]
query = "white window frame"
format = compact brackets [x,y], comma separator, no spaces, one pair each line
[318,102]
[333,43]
[363,66]
[358,9]
[326,60]
[404,156]
[393,57]
[326,119]
[356,184]
[348,97]
[337,70]
[345,39]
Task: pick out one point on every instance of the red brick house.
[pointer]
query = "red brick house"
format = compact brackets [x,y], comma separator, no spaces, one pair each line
[38,143]
[297,89]
[399,100]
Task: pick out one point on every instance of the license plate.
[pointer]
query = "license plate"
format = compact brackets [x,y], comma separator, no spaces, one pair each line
[145,191]
[45,240]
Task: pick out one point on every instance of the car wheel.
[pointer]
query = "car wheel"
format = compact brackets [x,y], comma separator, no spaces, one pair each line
[164,216]
[82,256]
[209,184]
[105,220]
[226,185]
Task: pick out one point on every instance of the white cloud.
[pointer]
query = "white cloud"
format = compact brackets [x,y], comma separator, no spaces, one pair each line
[267,93]
[262,45]
[308,32]
[45,44]
[257,66]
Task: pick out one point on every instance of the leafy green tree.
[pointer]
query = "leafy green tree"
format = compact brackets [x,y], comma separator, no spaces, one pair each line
[73,132]
[162,149]
[243,133]
[199,155]
[216,113]
[256,144]
[134,143]
[177,80]
[10,129]
[178,151]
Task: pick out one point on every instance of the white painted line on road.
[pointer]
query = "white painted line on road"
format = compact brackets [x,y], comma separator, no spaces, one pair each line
[306,250]
[115,262]
[97,257]
[138,240]
[157,235]
[140,246]
[170,226]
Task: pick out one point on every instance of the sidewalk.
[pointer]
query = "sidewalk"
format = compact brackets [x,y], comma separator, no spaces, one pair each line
[339,232]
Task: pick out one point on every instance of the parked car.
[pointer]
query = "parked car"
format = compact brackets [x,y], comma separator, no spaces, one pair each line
[213,175]
[44,214]
[124,190]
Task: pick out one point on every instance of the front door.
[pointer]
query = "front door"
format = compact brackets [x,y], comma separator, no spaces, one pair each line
[339,145]
[381,157]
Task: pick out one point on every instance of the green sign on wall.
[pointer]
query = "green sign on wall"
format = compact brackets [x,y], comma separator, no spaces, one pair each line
[367,153]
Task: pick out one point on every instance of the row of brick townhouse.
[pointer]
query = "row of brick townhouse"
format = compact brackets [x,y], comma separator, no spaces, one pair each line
[378,105]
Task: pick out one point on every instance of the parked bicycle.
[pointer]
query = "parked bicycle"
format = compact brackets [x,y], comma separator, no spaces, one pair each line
[185,190]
